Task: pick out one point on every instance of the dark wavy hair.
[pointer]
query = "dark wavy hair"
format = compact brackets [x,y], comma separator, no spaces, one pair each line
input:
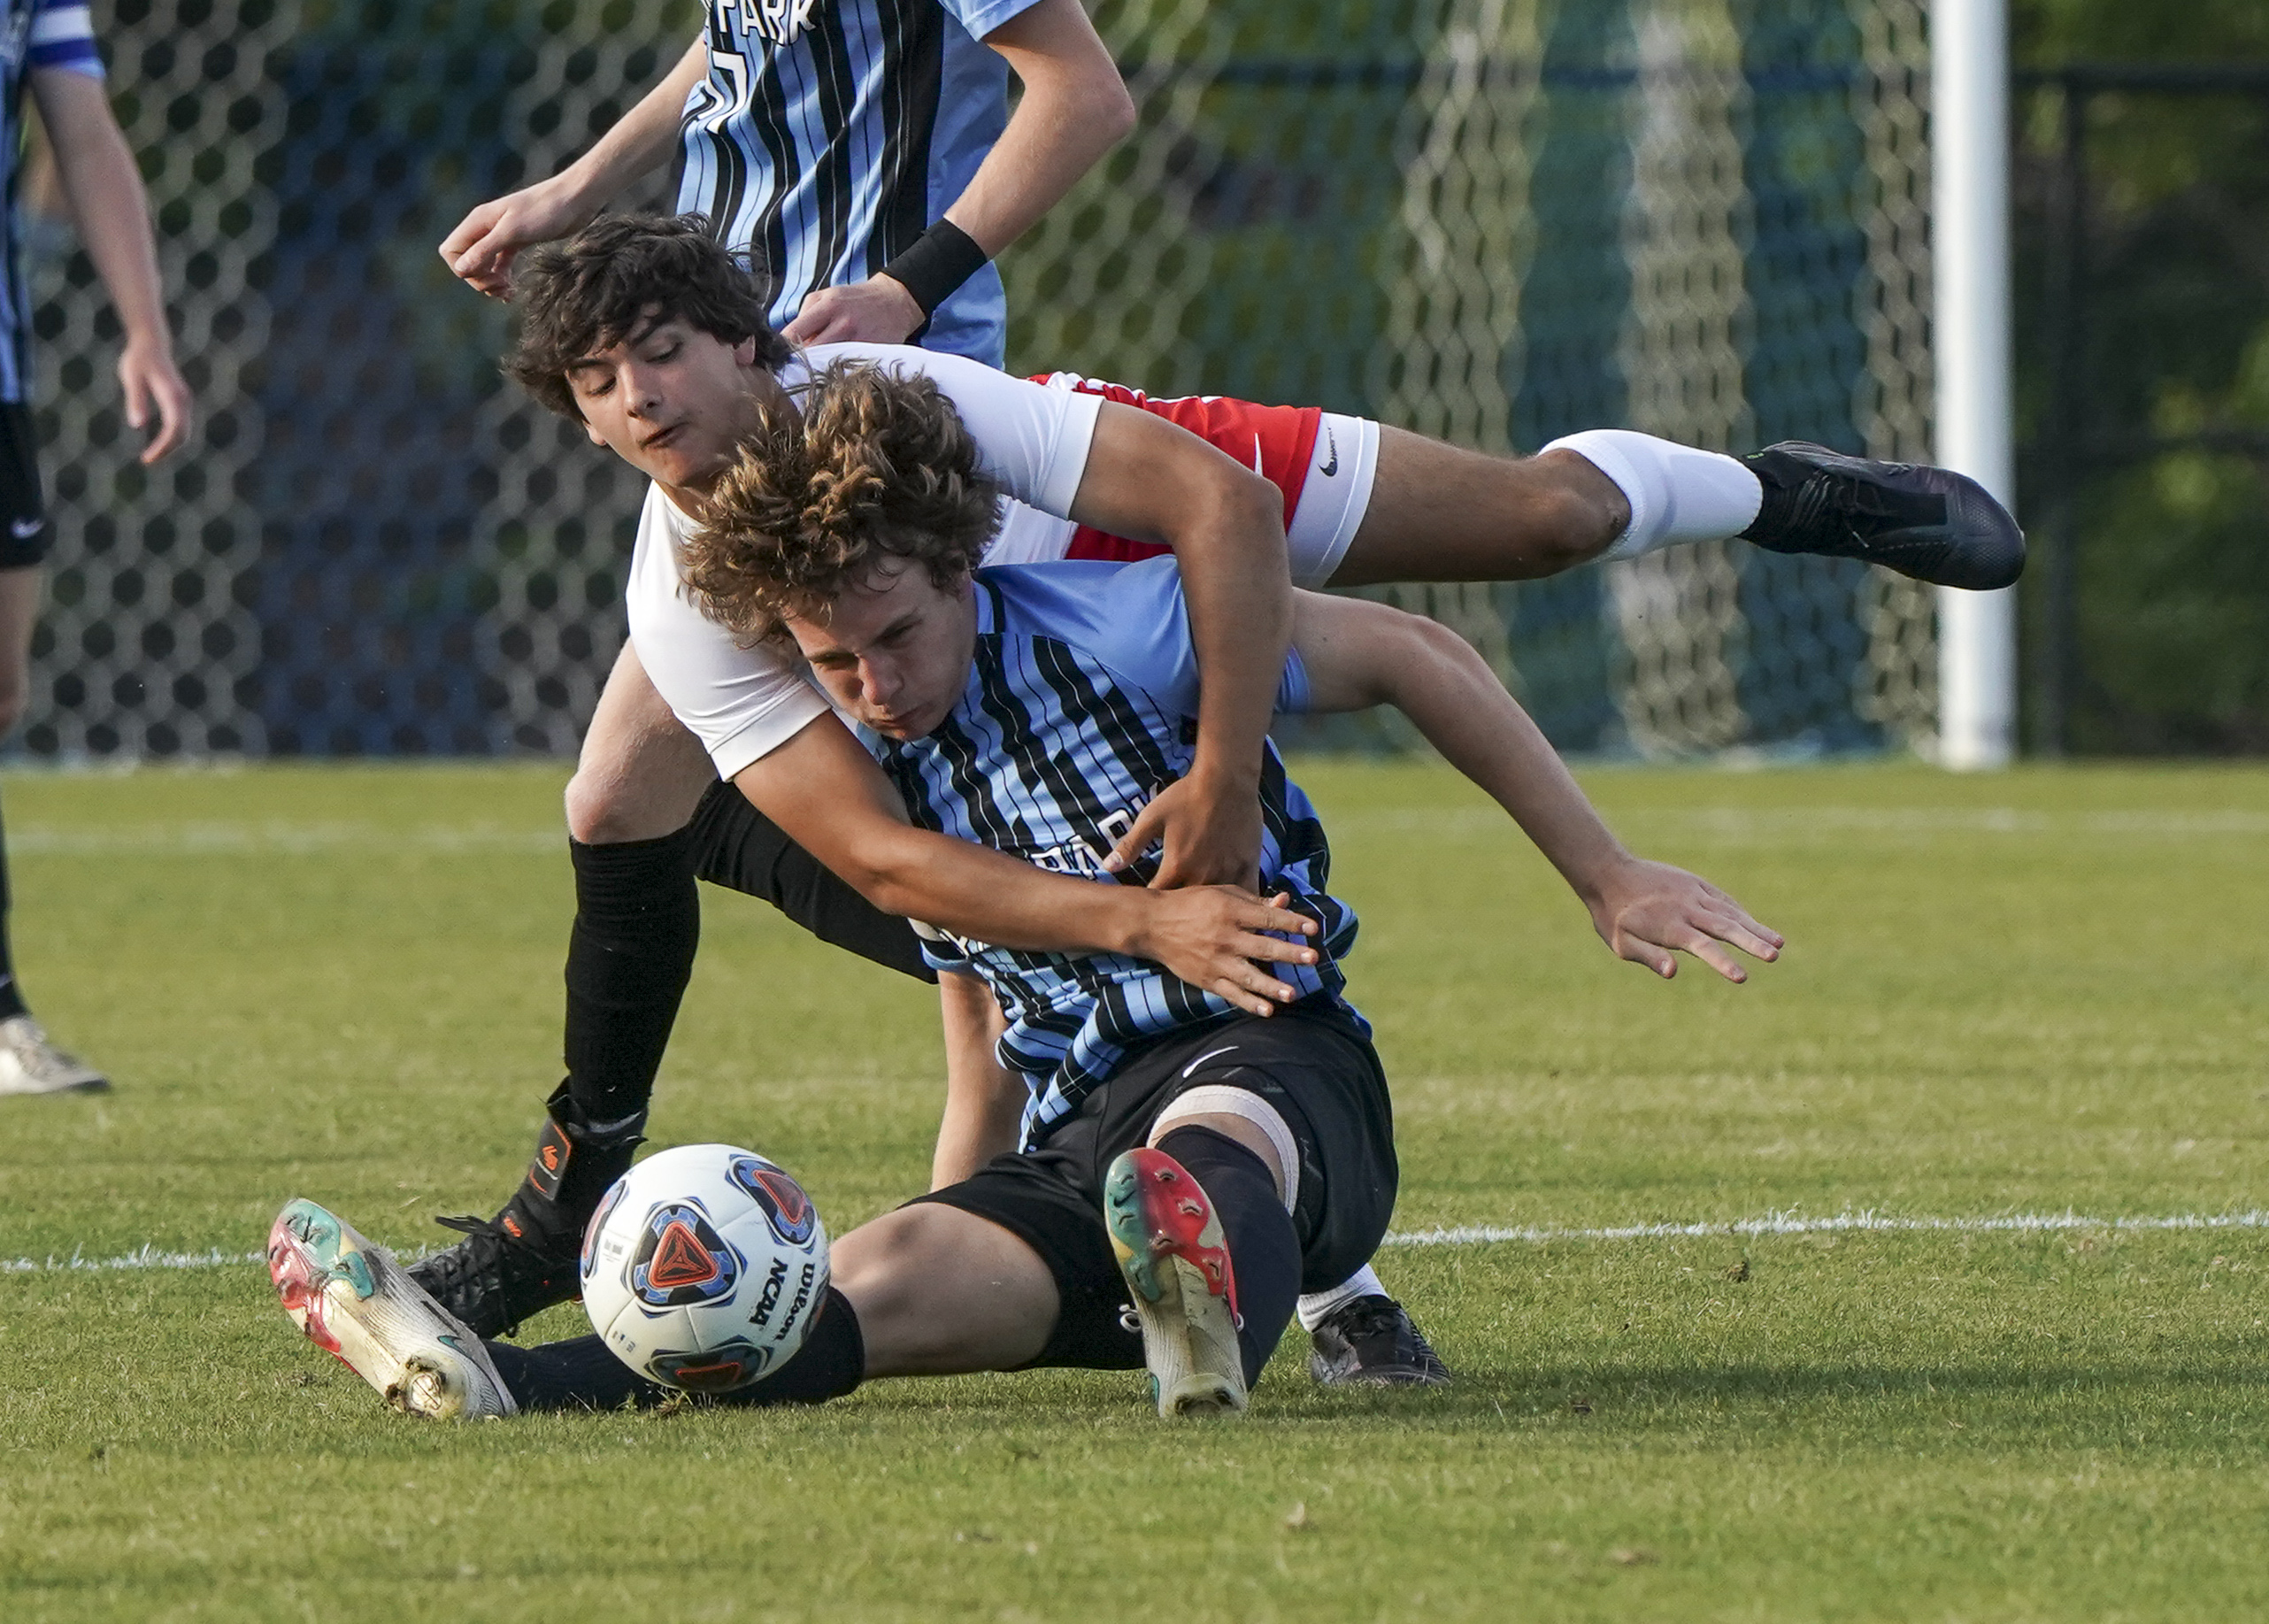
[875,466]
[618,276]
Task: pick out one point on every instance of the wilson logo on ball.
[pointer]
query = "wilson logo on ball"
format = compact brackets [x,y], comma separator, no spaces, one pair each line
[681,1261]
[607,1204]
[786,1206]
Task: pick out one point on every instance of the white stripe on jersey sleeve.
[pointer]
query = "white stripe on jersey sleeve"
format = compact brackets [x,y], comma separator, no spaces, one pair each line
[53,24]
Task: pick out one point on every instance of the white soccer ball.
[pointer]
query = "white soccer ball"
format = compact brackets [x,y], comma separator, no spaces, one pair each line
[704,1267]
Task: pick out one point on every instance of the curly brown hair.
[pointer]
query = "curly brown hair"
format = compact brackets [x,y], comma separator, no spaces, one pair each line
[618,276]
[876,466]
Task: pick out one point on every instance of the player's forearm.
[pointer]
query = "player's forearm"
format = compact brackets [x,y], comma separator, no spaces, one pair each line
[1457,702]
[1074,108]
[983,894]
[642,140]
[984,1102]
[103,188]
[826,795]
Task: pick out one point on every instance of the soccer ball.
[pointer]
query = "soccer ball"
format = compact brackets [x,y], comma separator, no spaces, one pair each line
[704,1267]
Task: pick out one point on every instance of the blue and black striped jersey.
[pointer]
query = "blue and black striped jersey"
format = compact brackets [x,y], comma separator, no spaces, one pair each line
[1079,708]
[39,34]
[830,134]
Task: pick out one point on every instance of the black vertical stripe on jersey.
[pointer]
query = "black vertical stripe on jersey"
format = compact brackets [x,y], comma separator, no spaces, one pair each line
[1105,710]
[913,35]
[836,87]
[767,123]
[992,824]
[729,189]
[1075,797]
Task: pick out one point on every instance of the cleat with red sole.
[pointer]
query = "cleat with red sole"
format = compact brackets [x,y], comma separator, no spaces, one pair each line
[1176,1261]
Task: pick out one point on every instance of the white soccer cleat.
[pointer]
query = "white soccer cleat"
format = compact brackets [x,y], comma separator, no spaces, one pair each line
[1176,1262]
[29,1064]
[354,1302]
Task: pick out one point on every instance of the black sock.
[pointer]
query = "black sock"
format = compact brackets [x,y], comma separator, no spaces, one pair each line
[1263,1247]
[581,1374]
[737,847]
[11,997]
[637,925]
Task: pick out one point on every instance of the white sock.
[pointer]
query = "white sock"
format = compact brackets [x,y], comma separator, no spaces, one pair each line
[1317,1305]
[1677,493]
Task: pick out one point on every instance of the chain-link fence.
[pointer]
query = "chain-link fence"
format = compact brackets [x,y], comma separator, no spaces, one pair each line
[1491,220]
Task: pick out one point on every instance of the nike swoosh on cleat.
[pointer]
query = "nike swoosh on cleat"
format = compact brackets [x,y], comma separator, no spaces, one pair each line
[24,529]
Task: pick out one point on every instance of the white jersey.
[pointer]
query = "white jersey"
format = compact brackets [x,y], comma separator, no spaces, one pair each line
[743,703]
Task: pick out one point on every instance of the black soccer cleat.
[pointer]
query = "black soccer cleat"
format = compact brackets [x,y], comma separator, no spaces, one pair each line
[492,1280]
[1932,524]
[514,1265]
[1373,1341]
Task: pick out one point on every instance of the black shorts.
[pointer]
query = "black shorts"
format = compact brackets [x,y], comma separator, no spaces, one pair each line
[1312,1062]
[23,510]
[739,848]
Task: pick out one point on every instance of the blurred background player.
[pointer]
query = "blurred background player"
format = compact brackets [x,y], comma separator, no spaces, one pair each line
[49,50]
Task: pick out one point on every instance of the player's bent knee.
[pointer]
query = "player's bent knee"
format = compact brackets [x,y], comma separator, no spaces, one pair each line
[606,807]
[1573,510]
[1240,1115]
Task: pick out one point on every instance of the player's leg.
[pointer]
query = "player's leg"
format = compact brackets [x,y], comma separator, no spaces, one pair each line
[1439,512]
[1301,1098]
[930,1289]
[29,1064]
[630,954]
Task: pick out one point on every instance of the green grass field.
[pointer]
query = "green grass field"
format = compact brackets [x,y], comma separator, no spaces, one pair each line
[2041,993]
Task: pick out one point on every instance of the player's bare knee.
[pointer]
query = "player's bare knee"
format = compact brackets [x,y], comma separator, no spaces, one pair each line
[15,693]
[592,806]
[1575,509]
[606,806]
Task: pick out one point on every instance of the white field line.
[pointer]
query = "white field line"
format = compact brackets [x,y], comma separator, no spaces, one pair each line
[1841,1223]
[1462,1235]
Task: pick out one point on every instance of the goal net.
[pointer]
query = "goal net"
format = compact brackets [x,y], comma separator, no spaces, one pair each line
[1492,221]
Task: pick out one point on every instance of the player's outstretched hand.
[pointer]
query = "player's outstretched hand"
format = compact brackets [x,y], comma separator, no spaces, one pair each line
[1208,839]
[1648,910]
[878,311]
[152,382]
[1209,936]
[486,242]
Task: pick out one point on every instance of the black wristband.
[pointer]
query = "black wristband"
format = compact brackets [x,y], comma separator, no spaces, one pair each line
[939,260]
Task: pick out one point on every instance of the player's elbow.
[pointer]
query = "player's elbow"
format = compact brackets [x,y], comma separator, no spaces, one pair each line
[889,873]
[1240,502]
[1110,110]
[1412,655]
